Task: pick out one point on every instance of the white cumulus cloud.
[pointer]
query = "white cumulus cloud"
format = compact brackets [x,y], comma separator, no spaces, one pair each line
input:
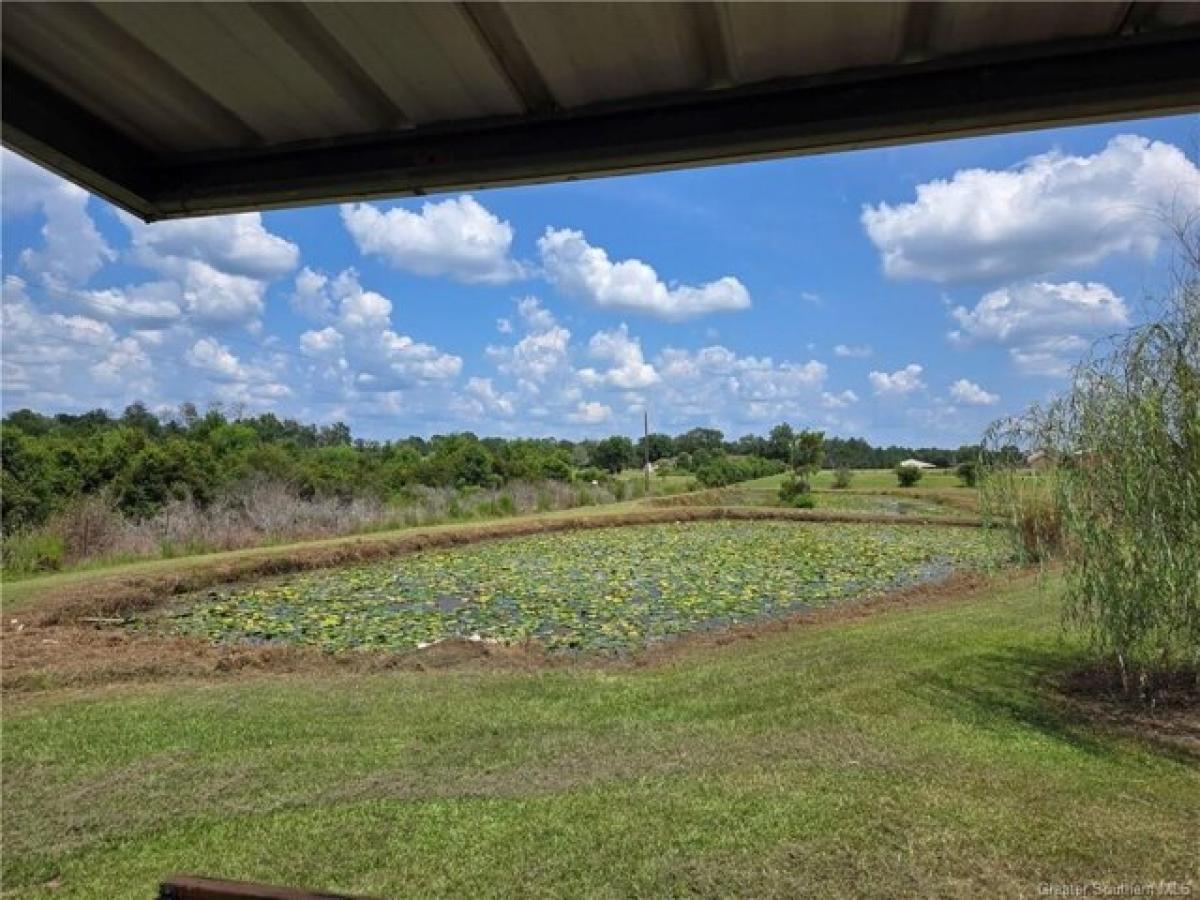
[51,360]
[590,412]
[482,397]
[310,295]
[73,249]
[715,383]
[359,350]
[541,353]
[220,267]
[321,343]
[898,383]
[215,360]
[1051,356]
[1044,325]
[580,270]
[840,400]
[972,394]
[852,351]
[236,244]
[456,237]
[629,370]
[149,305]
[1054,211]
[1011,314]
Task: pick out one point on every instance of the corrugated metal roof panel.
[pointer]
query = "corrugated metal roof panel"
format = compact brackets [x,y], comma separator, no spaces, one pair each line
[279,79]
[788,40]
[593,52]
[967,27]
[102,68]
[1173,15]
[424,56]
[145,97]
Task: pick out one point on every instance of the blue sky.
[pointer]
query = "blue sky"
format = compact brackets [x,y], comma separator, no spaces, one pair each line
[906,295]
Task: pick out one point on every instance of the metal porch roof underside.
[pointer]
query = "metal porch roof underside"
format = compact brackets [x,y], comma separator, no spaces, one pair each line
[179,109]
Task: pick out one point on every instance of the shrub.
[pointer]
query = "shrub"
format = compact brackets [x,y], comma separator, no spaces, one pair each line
[796,492]
[719,471]
[908,475]
[1029,507]
[842,476]
[802,501]
[968,473]
[25,554]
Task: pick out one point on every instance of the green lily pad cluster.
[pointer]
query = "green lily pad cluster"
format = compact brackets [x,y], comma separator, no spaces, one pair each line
[609,590]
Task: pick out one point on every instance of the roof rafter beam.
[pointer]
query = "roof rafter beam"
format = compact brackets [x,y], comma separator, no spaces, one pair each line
[305,34]
[716,38]
[1139,16]
[917,33]
[497,33]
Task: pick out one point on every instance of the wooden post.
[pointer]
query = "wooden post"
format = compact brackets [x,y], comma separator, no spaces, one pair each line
[188,887]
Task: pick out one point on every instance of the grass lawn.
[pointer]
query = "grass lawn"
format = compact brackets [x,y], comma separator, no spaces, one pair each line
[659,484]
[913,752]
[865,479]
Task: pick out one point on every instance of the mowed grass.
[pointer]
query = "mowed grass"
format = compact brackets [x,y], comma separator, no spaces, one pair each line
[867,479]
[919,752]
[659,484]
[871,491]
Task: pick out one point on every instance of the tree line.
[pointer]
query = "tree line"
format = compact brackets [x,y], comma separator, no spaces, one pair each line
[142,460]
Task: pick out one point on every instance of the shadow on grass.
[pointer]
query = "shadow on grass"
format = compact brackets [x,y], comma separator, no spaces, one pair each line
[1022,687]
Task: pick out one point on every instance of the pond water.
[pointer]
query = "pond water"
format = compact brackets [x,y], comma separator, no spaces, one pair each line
[610,590]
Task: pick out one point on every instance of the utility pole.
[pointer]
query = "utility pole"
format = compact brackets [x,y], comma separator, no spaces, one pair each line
[646,447]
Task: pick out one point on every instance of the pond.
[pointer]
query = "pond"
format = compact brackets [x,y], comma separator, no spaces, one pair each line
[610,590]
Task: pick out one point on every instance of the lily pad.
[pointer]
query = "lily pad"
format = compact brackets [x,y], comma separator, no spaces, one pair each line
[607,590]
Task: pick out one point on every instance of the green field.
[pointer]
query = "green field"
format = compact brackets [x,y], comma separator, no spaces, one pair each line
[920,752]
[863,479]
[659,484]
[872,491]
[611,590]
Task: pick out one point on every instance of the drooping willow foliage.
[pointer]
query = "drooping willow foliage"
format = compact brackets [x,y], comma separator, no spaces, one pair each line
[1109,480]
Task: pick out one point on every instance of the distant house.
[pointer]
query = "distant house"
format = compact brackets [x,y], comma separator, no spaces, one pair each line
[917,464]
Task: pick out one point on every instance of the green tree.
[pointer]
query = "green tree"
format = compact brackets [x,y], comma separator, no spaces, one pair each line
[1124,502]
[700,441]
[613,453]
[780,443]
[661,446]
[808,452]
